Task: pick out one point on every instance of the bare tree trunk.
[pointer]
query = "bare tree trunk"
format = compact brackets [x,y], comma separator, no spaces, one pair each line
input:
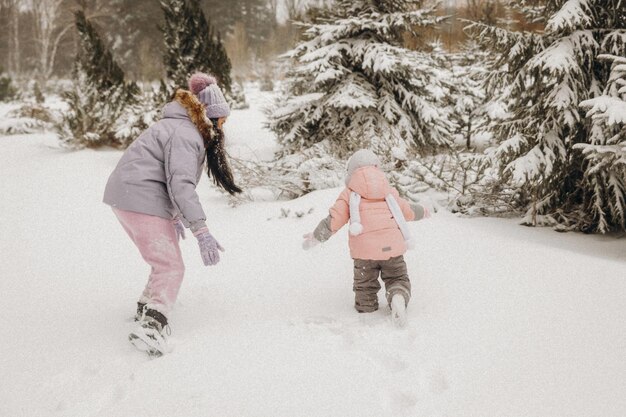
[294,8]
[273,5]
[15,39]
[46,14]
[13,55]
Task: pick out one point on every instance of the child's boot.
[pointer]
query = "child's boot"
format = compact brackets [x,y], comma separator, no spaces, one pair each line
[398,310]
[149,335]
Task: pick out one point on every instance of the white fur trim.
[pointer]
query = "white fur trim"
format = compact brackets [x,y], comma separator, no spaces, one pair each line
[396,211]
[356,229]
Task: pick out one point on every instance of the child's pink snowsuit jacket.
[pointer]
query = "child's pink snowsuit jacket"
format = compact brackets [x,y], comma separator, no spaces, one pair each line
[381,238]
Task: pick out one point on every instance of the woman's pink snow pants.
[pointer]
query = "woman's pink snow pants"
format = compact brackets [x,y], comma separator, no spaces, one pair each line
[157,242]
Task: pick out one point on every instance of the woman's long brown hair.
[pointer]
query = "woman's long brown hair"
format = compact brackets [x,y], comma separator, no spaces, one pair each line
[217,161]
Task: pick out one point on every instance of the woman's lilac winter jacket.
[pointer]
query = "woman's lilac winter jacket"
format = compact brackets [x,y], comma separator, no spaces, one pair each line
[159,172]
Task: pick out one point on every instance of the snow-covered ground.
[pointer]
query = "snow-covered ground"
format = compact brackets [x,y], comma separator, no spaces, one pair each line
[505,321]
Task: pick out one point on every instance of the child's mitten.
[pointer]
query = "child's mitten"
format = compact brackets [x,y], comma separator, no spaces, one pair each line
[309,241]
[208,247]
[180,228]
[420,211]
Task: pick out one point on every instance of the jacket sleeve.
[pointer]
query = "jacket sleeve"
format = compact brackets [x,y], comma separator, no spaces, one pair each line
[339,215]
[407,210]
[419,211]
[182,157]
[340,211]
[323,232]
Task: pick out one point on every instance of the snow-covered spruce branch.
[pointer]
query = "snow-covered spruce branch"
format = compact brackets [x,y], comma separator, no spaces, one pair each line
[605,155]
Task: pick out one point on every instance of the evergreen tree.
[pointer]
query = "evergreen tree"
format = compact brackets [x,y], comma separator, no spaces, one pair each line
[605,172]
[7,91]
[192,45]
[546,76]
[255,15]
[134,37]
[467,94]
[353,84]
[99,98]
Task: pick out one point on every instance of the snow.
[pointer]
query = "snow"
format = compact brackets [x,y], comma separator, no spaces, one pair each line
[611,108]
[561,57]
[19,125]
[245,136]
[575,14]
[504,321]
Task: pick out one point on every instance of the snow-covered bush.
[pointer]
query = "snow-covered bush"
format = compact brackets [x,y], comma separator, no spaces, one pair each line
[290,176]
[28,118]
[465,178]
[34,111]
[20,125]
[353,83]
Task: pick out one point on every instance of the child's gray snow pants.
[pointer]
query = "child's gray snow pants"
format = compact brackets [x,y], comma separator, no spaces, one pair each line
[366,285]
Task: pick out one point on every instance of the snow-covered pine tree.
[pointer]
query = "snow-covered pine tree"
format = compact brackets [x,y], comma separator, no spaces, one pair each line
[605,172]
[467,95]
[545,77]
[99,96]
[353,84]
[192,45]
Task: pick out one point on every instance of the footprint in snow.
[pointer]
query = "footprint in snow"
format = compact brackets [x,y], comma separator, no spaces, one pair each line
[401,403]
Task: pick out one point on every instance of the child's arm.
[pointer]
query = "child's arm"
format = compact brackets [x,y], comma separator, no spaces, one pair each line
[420,212]
[323,231]
[338,217]
[411,211]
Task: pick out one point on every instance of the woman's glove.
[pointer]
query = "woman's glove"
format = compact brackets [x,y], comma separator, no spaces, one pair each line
[309,241]
[180,228]
[208,247]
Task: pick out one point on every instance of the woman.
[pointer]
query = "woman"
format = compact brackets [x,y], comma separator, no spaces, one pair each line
[153,194]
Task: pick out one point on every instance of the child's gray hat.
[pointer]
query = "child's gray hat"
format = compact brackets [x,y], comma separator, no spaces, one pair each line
[361,158]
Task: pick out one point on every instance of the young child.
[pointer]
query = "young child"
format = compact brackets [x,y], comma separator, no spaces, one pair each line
[379,235]
[153,194]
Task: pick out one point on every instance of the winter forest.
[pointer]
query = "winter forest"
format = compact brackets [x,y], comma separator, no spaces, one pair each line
[491,114]
[511,107]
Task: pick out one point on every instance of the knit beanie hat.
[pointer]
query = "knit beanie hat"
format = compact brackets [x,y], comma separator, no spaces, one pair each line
[361,158]
[205,87]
